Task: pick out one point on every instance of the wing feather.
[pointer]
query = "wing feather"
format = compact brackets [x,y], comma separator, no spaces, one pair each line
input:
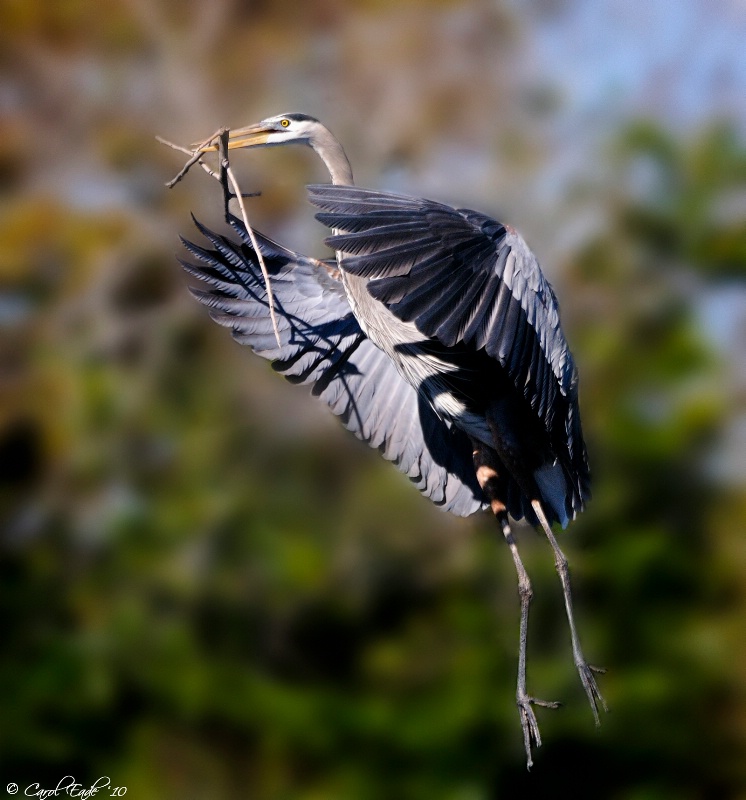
[464,278]
[323,345]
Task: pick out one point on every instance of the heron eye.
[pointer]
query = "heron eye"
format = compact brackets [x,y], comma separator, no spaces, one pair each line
[285,123]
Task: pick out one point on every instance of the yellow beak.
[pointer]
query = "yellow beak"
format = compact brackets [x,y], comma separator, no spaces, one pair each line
[250,136]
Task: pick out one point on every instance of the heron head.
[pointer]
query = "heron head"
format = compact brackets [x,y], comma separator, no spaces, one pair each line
[273,131]
[292,129]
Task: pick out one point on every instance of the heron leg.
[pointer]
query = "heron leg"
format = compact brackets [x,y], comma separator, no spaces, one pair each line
[585,670]
[489,480]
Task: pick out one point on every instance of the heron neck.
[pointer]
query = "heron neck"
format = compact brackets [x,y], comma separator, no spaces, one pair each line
[331,153]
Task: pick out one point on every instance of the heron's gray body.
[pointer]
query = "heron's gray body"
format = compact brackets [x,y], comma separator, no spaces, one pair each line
[435,337]
[460,305]
[420,368]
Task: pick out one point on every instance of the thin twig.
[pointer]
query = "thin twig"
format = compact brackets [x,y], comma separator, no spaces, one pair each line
[191,162]
[195,157]
[225,165]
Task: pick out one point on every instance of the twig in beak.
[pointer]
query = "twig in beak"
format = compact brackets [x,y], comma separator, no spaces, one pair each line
[196,157]
[221,137]
[225,165]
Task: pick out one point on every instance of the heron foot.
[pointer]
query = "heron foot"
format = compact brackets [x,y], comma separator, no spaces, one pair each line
[587,674]
[531,735]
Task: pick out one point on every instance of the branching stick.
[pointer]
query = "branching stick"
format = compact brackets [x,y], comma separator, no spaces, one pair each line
[231,189]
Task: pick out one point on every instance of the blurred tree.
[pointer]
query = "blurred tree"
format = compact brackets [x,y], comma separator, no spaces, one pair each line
[193,599]
[206,587]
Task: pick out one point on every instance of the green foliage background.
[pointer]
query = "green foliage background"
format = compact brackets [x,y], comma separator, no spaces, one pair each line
[209,589]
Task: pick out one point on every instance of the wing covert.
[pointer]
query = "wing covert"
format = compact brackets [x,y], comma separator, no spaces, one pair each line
[462,277]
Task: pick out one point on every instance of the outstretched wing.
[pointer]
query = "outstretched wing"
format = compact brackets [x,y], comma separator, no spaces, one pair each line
[462,277]
[322,344]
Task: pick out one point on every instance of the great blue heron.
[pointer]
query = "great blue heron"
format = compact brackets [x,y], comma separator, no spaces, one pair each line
[436,338]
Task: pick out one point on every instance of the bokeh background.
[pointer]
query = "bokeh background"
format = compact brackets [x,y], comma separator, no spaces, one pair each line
[208,588]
